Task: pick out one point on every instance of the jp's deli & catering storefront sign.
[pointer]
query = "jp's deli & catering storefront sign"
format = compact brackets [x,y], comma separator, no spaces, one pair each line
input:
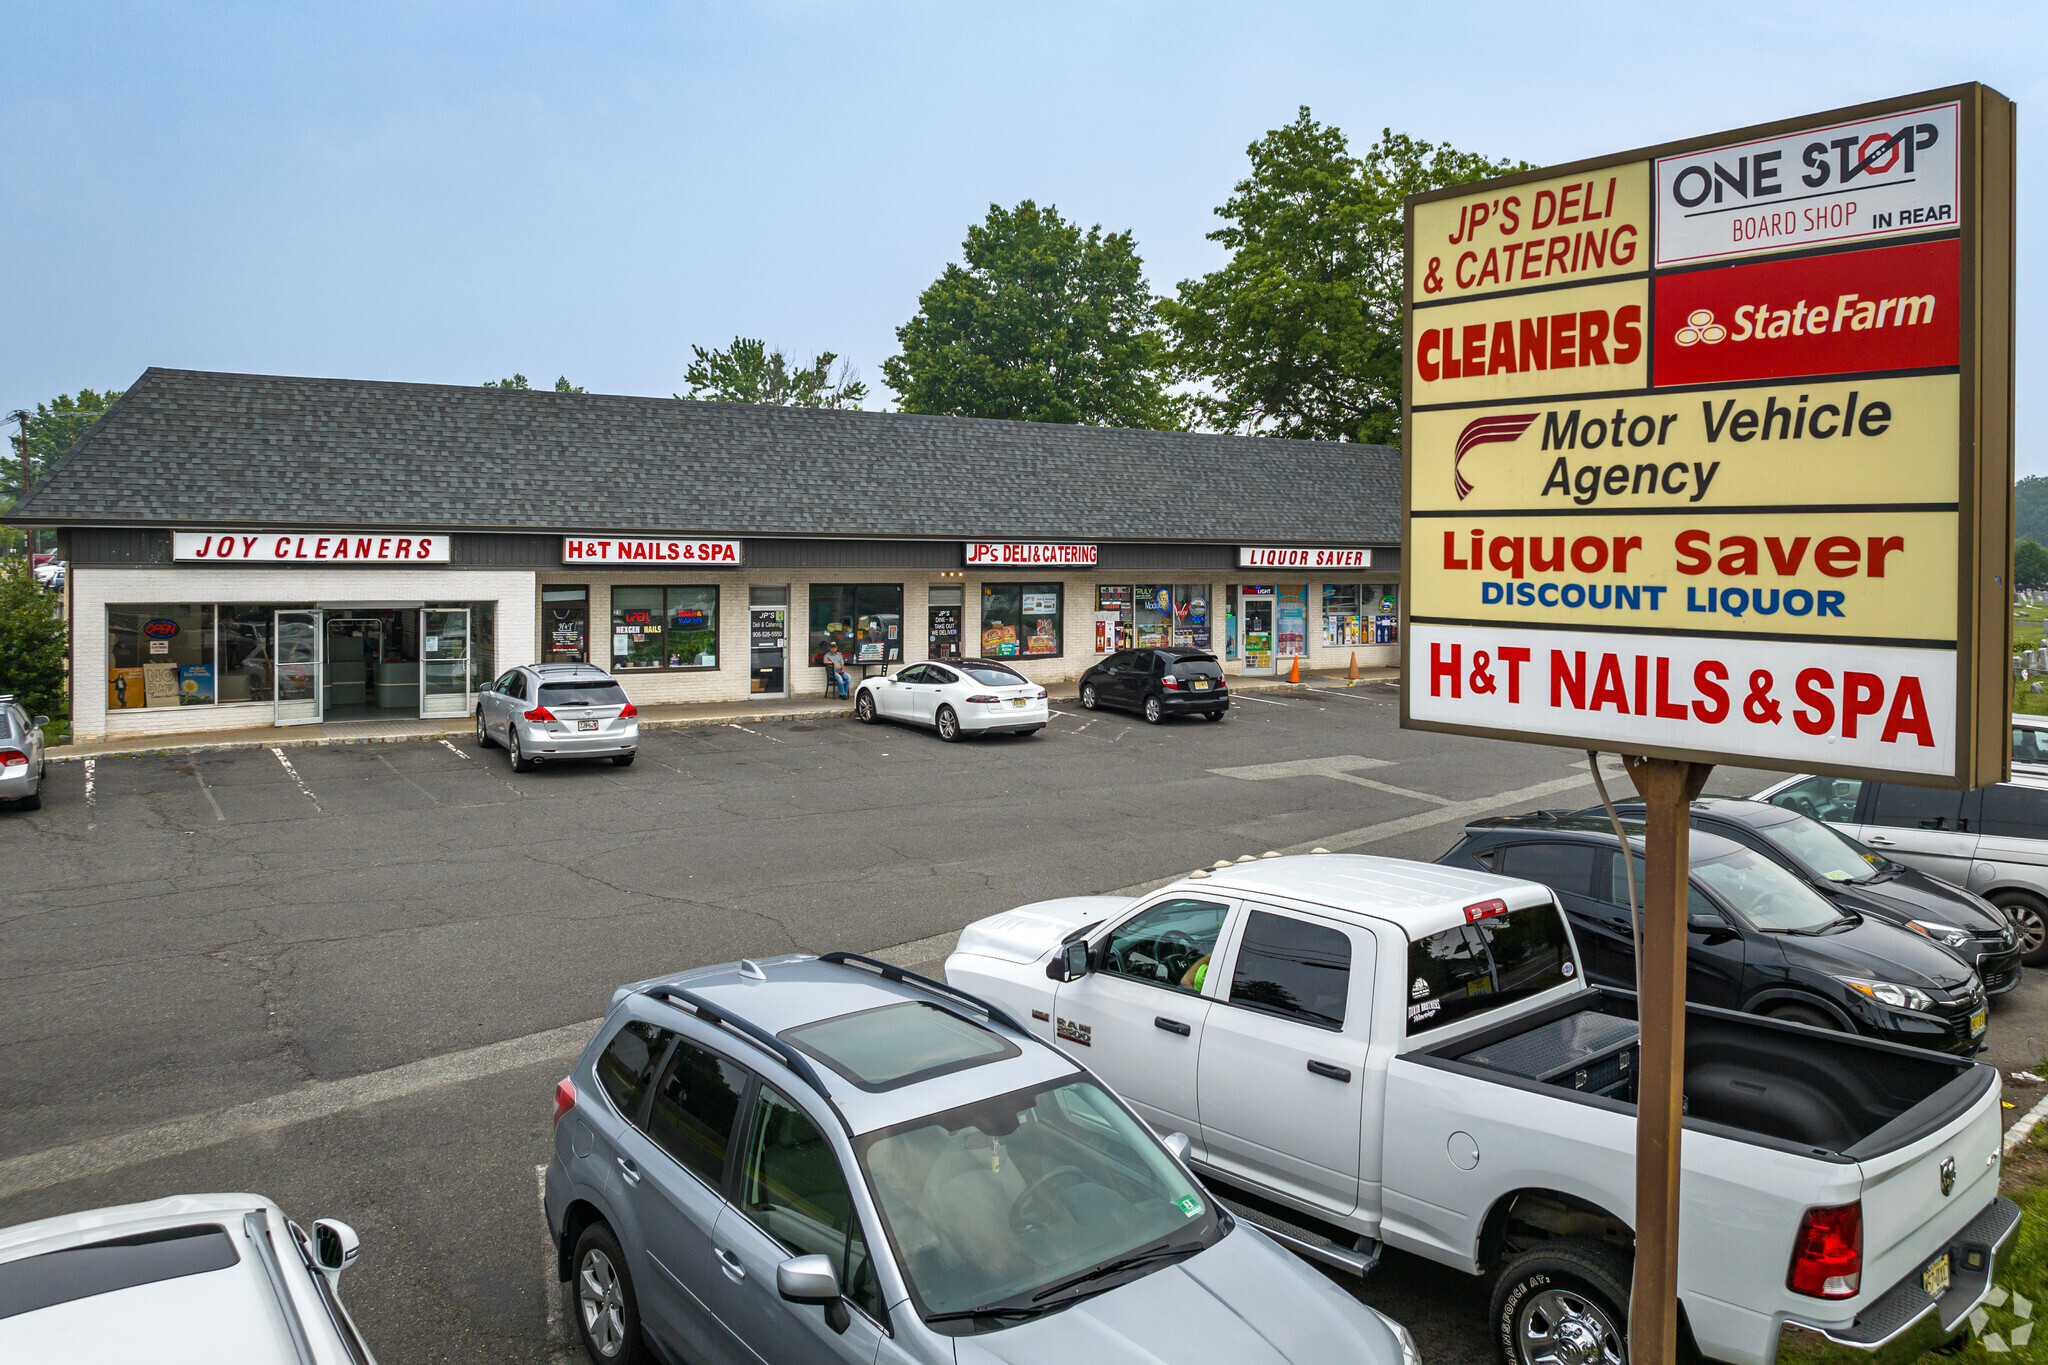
[1026,553]
[650,551]
[1737,491]
[1286,557]
[309,547]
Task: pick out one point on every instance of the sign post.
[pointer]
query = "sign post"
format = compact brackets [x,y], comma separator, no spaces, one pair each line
[1708,457]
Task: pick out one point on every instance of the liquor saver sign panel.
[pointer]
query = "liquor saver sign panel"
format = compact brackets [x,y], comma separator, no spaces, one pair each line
[1772,532]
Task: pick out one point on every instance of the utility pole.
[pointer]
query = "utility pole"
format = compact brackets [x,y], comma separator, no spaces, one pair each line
[20,416]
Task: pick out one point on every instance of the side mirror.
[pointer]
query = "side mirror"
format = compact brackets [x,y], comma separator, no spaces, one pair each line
[807,1279]
[1706,924]
[40,721]
[1177,1143]
[334,1247]
[1070,963]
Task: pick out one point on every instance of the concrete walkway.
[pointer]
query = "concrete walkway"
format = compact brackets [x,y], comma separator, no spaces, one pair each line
[651,718]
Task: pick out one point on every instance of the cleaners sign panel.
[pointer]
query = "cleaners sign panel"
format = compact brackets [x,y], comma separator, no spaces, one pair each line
[1743,497]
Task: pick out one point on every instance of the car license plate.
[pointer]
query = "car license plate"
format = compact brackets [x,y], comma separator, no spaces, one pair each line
[1201,685]
[1934,1279]
[1977,1022]
[586,725]
[1020,701]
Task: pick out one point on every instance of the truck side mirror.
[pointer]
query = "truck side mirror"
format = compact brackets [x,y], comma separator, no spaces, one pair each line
[335,1246]
[1070,963]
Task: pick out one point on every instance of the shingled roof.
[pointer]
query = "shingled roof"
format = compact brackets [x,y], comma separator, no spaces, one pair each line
[195,448]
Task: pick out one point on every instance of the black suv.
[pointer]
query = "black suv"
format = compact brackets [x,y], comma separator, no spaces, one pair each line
[1158,683]
[1758,938]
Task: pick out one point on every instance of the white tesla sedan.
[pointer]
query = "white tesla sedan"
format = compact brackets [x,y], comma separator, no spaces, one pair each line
[961,697]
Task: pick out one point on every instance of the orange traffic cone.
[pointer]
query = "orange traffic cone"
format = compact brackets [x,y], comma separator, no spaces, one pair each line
[1353,674]
[1294,673]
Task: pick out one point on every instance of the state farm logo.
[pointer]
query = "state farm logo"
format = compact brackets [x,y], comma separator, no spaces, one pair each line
[1883,309]
[1485,431]
[1700,330]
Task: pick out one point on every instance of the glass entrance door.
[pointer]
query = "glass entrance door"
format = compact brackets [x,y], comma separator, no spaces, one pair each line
[1258,634]
[444,662]
[295,689]
[565,623]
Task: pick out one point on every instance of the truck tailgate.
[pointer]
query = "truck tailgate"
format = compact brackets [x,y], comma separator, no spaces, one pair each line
[1924,1178]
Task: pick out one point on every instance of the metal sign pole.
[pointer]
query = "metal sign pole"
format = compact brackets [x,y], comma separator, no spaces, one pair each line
[1667,787]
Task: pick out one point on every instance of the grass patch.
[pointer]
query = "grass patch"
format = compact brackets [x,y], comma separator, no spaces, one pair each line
[2022,1280]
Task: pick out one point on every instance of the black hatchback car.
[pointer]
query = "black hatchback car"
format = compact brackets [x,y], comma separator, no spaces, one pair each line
[1863,880]
[1758,938]
[1157,683]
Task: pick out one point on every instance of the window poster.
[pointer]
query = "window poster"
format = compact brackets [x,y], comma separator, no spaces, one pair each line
[1291,611]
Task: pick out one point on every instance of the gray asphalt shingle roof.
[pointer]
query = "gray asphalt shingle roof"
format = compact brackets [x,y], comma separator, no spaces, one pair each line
[194,448]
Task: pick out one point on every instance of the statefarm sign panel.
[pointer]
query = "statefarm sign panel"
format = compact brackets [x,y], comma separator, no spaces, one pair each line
[1718,499]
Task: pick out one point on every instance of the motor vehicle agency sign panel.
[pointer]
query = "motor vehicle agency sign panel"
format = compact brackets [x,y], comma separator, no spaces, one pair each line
[1708,448]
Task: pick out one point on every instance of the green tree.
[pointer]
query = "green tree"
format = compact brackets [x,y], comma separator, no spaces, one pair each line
[31,641]
[2029,565]
[748,372]
[518,381]
[51,430]
[2030,508]
[1041,322]
[1299,334]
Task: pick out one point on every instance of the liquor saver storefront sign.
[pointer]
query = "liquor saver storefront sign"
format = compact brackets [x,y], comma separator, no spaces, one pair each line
[1708,447]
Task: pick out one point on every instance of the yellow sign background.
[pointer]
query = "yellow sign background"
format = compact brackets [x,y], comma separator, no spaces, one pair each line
[1542,338]
[1907,462]
[1534,234]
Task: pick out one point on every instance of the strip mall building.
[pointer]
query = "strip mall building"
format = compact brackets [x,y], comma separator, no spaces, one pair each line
[250,550]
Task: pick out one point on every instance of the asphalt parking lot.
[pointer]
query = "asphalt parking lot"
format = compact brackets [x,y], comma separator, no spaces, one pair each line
[348,977]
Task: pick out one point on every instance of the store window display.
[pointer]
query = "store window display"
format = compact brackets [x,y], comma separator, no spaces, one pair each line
[1022,620]
[160,655]
[669,629]
[865,621]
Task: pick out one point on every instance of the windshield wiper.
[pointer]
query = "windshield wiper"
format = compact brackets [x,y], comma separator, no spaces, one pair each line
[1121,1263]
[994,1310]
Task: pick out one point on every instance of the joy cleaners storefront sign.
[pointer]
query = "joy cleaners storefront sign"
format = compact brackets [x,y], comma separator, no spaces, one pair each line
[589,550]
[1283,557]
[1024,552]
[310,547]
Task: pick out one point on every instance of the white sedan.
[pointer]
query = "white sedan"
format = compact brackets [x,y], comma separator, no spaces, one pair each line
[964,697]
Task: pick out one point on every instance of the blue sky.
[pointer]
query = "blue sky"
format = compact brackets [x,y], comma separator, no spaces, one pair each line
[452,192]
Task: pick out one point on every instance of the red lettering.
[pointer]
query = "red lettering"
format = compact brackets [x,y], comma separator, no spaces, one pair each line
[1501,358]
[1607,686]
[1568,678]
[1628,330]
[1908,715]
[1451,560]
[1862,695]
[320,548]
[1593,337]
[1514,656]
[1707,677]
[1836,556]
[405,547]
[1474,347]
[1878,548]
[384,548]
[1564,340]
[1666,709]
[426,548]
[284,548]
[1692,557]
[1440,668]
[1811,688]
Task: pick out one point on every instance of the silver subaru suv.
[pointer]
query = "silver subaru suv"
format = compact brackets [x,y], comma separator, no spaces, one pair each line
[832,1159]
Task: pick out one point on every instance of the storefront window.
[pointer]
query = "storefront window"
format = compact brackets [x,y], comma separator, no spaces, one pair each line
[1230,622]
[245,654]
[565,623]
[1022,620]
[1115,618]
[1154,615]
[864,619]
[664,628]
[1342,622]
[160,655]
[1191,615]
[1382,602]
[1164,614]
[1290,611]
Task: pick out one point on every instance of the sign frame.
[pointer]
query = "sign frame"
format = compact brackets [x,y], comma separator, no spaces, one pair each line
[1984,436]
[653,552]
[385,548]
[1277,557]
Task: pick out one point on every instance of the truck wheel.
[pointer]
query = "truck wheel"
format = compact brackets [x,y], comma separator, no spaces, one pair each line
[1804,1014]
[1564,1301]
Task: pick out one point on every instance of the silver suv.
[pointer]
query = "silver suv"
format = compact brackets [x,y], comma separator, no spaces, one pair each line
[833,1159]
[1992,841]
[23,764]
[544,712]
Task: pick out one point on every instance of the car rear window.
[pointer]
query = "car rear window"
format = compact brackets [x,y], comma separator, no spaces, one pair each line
[119,1263]
[594,692]
[1484,965]
[995,675]
[1196,666]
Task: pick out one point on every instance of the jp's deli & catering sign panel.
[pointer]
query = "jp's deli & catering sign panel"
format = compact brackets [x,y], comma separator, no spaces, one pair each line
[999,553]
[1287,557]
[654,551]
[310,547]
[1727,478]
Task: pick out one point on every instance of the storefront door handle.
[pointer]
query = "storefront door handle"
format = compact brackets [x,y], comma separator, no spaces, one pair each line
[1171,1025]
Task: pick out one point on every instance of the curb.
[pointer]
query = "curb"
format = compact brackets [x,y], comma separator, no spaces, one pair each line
[2024,1129]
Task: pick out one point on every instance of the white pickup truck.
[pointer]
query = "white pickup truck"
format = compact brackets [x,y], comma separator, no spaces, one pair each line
[1391,1053]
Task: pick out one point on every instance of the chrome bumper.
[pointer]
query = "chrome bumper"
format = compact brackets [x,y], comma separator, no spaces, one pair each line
[1904,1323]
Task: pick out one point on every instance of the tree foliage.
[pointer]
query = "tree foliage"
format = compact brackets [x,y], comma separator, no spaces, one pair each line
[1040,322]
[52,429]
[518,381]
[31,640]
[1299,334]
[2029,565]
[748,372]
[2030,509]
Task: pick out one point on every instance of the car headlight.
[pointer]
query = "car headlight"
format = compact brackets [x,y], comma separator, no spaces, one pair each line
[1889,993]
[1409,1355]
[1940,933]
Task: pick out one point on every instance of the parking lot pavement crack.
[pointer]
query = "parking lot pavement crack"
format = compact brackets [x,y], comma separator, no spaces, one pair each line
[666,897]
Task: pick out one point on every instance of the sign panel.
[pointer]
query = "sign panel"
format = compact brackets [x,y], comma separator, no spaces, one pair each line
[310,547]
[1283,557]
[1853,180]
[652,552]
[1563,229]
[1026,553]
[1744,498]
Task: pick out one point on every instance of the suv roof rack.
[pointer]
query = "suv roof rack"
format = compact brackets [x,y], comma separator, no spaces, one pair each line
[889,971]
[755,1034]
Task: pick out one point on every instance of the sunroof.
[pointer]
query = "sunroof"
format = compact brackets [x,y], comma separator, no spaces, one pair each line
[897,1045]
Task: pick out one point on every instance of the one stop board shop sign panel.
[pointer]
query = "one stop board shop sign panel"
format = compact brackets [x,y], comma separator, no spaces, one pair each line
[1716,495]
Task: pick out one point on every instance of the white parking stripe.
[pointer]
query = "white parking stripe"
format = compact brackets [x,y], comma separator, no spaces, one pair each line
[209,795]
[92,799]
[308,791]
[453,750]
[1263,701]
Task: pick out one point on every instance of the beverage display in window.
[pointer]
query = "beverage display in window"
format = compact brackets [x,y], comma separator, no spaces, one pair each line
[1145,615]
[1115,623]
[1343,623]
[664,628]
[1021,619]
[1290,610]
[1155,615]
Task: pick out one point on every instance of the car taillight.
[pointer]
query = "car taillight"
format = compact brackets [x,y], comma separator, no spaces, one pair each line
[985,699]
[540,713]
[1169,681]
[1827,1258]
[565,1098]
[1485,910]
[1040,696]
[630,712]
[10,758]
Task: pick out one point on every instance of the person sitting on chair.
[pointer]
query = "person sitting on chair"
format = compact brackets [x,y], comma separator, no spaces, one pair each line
[836,678]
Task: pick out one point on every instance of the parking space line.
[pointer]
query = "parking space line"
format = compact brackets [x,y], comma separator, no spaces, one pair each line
[1263,701]
[217,813]
[759,734]
[92,799]
[453,750]
[308,791]
[551,1284]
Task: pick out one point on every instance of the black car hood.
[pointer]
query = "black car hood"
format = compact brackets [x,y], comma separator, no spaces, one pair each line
[1916,895]
[1877,951]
